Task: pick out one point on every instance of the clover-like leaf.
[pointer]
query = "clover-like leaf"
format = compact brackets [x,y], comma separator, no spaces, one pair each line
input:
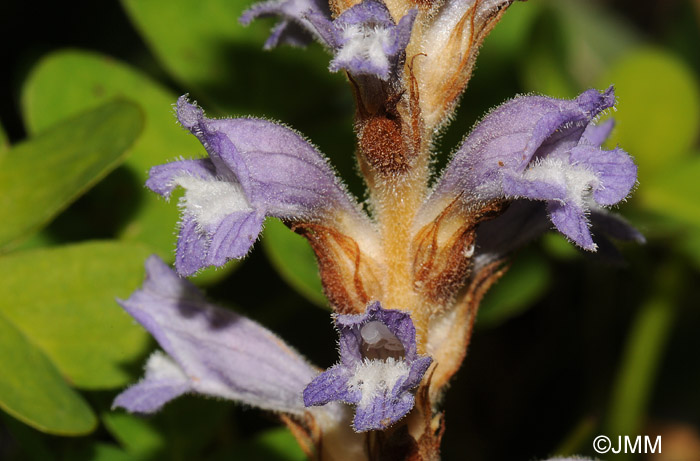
[33,391]
[42,176]
[62,300]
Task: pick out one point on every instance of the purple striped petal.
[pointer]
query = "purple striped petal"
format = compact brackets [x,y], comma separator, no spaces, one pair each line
[293,29]
[217,352]
[255,169]
[545,149]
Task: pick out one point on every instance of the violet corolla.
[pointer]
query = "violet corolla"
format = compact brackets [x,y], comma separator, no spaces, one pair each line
[546,149]
[404,271]
[293,28]
[378,369]
[209,350]
[255,169]
[364,38]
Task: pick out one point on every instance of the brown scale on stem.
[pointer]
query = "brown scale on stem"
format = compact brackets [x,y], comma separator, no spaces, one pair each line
[381,130]
[381,138]
[382,145]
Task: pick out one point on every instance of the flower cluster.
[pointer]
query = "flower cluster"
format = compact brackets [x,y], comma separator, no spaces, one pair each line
[404,274]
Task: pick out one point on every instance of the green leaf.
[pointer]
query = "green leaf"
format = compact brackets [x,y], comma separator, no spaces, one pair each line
[271,445]
[62,299]
[557,246]
[507,38]
[88,79]
[690,245]
[674,192]
[594,37]
[577,438]
[138,436]
[40,177]
[100,452]
[191,38]
[294,259]
[186,441]
[517,290]
[658,110]
[545,71]
[33,391]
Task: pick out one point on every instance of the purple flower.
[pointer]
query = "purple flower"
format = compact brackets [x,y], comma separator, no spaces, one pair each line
[543,149]
[255,169]
[365,40]
[294,28]
[208,350]
[379,367]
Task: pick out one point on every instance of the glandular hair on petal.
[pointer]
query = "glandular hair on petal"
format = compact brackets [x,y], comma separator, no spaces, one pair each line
[374,377]
[211,201]
[365,43]
[578,179]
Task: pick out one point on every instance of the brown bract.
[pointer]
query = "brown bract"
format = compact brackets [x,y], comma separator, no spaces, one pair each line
[349,277]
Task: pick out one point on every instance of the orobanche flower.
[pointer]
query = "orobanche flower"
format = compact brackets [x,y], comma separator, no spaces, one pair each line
[378,369]
[255,169]
[545,149]
[209,350]
[405,270]
[293,29]
[365,39]
[212,351]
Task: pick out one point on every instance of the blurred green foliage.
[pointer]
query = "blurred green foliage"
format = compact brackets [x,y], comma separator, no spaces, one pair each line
[34,186]
[568,346]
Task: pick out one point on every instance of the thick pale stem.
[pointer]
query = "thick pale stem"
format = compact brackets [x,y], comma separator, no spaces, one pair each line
[396,199]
